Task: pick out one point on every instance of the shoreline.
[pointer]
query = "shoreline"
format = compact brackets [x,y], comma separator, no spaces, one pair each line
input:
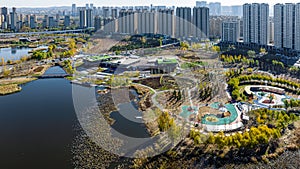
[11,86]
[9,89]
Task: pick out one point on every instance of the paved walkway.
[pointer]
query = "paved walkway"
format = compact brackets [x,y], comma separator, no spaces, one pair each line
[145,87]
[153,98]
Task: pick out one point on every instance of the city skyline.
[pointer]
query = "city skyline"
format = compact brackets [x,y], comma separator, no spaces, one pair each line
[188,3]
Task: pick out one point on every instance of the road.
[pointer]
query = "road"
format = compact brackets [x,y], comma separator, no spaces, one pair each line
[45,32]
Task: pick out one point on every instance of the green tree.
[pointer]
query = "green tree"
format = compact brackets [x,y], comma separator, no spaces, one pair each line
[216,48]
[251,53]
[263,51]
[197,140]
[211,138]
[184,46]
[160,41]
[6,72]
[165,121]
[174,132]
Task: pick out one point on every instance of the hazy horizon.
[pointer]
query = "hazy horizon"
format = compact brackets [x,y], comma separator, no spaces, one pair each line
[58,3]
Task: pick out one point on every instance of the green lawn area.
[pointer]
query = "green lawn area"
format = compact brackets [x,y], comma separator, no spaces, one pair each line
[187,65]
[97,58]
[166,61]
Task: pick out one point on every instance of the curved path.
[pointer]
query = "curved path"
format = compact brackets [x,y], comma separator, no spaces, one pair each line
[153,98]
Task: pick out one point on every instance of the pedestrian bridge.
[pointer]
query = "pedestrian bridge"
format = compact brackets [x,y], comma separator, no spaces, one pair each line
[49,76]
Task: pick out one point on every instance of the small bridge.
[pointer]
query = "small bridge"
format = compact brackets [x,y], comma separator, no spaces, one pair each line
[49,76]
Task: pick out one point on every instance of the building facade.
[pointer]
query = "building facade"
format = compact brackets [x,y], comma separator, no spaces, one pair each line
[127,22]
[183,22]
[110,25]
[201,4]
[51,22]
[230,31]
[82,17]
[237,10]
[166,22]
[271,30]
[74,10]
[215,8]
[32,22]
[97,23]
[67,21]
[147,22]
[287,26]
[201,23]
[13,20]
[256,23]
[89,18]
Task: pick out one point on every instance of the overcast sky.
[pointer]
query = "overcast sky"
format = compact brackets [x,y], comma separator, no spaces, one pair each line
[47,3]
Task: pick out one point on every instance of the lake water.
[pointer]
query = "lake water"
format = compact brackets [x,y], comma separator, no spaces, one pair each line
[16,53]
[36,125]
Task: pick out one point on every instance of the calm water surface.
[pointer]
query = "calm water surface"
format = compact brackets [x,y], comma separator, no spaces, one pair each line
[15,53]
[36,125]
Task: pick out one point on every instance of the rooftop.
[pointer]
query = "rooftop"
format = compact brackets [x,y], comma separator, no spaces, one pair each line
[98,58]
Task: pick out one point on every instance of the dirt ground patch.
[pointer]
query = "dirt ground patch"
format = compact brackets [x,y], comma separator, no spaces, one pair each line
[10,88]
[208,110]
[38,69]
[101,45]
[18,80]
[156,82]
